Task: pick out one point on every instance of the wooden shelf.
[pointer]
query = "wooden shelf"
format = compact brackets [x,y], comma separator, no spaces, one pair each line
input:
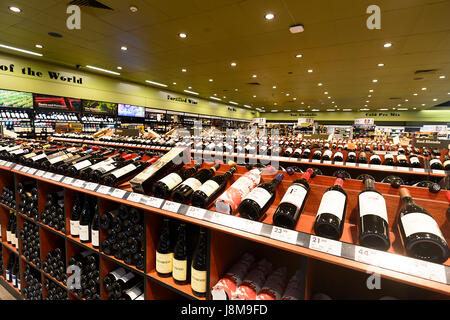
[10,247]
[170,283]
[11,289]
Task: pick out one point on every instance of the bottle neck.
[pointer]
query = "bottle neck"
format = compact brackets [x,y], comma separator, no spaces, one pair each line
[339,182]
[369,184]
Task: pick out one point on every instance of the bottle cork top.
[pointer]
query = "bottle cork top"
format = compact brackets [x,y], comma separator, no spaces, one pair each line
[404,193]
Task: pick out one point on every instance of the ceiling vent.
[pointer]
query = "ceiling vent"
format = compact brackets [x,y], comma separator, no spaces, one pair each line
[394,98]
[90,3]
[418,78]
[425,71]
[254,83]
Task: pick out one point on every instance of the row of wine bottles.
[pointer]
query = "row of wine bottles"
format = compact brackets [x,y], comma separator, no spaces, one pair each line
[55,265]
[11,230]
[88,264]
[28,194]
[8,196]
[12,274]
[84,219]
[176,258]
[121,284]
[53,214]
[33,286]
[256,279]
[31,247]
[125,232]
[54,291]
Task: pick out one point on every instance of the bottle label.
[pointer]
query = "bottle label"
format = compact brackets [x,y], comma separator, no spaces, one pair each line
[74,227]
[209,187]
[39,156]
[402,157]
[60,158]
[338,154]
[141,297]
[371,202]
[134,292]
[106,167]
[414,160]
[172,180]
[198,280]
[295,195]
[14,280]
[8,275]
[100,164]
[8,236]
[30,155]
[123,171]
[374,157]
[193,183]
[95,237]
[419,222]
[260,196]
[127,277]
[179,271]
[82,164]
[164,262]
[84,233]
[328,153]
[118,273]
[333,202]
[433,161]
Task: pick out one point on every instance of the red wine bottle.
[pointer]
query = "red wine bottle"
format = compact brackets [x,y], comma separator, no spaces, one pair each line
[165,186]
[331,214]
[420,234]
[123,174]
[84,173]
[256,203]
[373,218]
[290,207]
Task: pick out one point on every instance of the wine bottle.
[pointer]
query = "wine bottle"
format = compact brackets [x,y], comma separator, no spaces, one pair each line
[85,221]
[446,164]
[207,193]
[389,159]
[288,211]
[306,153]
[297,153]
[75,215]
[183,192]
[199,266]
[164,251]
[256,203]
[101,173]
[317,155]
[375,159]
[394,181]
[373,218]
[414,161]
[327,155]
[402,161]
[351,157]
[436,164]
[124,283]
[113,276]
[331,214]
[118,176]
[419,232]
[180,257]
[85,172]
[134,293]
[95,230]
[163,188]
[362,158]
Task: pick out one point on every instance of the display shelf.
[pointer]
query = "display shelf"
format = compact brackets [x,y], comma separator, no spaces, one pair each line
[11,289]
[184,290]
[10,247]
[123,264]
[77,241]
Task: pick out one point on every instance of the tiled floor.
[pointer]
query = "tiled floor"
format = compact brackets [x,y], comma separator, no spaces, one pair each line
[5,295]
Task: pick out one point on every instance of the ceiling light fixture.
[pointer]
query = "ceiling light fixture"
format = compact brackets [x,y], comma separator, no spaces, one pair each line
[215,98]
[388,45]
[347,110]
[191,92]
[254,96]
[183,70]
[297,28]
[301,110]
[269,16]
[384,109]
[381,64]
[233,64]
[435,99]
[320,84]
[254,76]
[315,110]
[103,70]
[287,110]
[402,109]
[364,109]
[331,110]
[232,102]
[38,46]
[274,87]
[211,80]
[156,83]
[21,50]
[423,89]
[310,70]
[414,94]
[123,48]
[287,94]
[374,80]
[298,55]
[442,77]
[174,83]
[134,9]
[371,90]
[247,106]
[119,68]
[14,9]
[423,104]
[182,35]
[274,111]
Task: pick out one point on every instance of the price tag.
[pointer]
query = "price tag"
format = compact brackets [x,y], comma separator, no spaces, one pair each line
[388,167]
[304,160]
[339,163]
[57,177]
[118,193]
[418,170]
[367,255]
[32,171]
[265,157]
[2,162]
[325,245]
[171,206]
[284,235]
[9,164]
[67,180]
[47,175]
[328,162]
[78,183]
[402,168]
[363,165]
[284,159]
[350,164]
[26,169]
[104,189]
[152,202]
[134,197]
[18,167]
[376,166]
[426,270]
[439,171]
[248,226]
[315,161]
[195,212]
[91,186]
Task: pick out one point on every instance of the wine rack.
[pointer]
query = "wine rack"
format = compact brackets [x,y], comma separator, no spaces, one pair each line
[229,236]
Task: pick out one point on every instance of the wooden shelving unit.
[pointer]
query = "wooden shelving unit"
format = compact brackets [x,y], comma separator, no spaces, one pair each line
[229,236]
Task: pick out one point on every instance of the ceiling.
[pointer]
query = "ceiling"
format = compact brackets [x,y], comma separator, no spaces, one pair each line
[342,52]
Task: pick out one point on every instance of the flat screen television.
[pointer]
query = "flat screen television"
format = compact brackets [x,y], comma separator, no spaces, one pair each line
[127,110]
[16,99]
[100,107]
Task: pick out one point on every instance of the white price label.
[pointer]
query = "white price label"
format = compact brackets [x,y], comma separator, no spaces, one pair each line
[118,193]
[402,168]
[171,206]
[79,183]
[367,255]
[439,171]
[304,160]
[104,189]
[18,167]
[26,169]
[418,170]
[152,202]
[91,186]
[57,177]
[285,159]
[249,226]
[363,165]
[328,162]
[315,161]
[32,171]
[325,245]
[135,197]
[48,175]
[284,235]
[8,164]
[339,163]
[195,212]
[2,162]
[67,180]
[376,166]
[350,164]
[388,167]
[265,157]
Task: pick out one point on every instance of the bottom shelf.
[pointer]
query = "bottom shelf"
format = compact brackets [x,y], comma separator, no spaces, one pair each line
[10,288]
[168,282]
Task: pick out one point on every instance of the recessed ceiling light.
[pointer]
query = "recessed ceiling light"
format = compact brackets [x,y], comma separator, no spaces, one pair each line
[103,70]
[414,94]
[123,48]
[269,16]
[14,9]
[332,102]
[236,89]
[402,109]
[254,96]
[299,55]
[423,104]
[331,110]
[189,87]
[274,111]
[329,97]
[294,99]
[406,100]
[346,109]
[287,94]
[310,70]
[326,92]
[320,84]
[370,96]
[156,83]
[211,80]
[367,101]
[414,108]
[393,108]
[435,99]
[297,28]
[423,89]
[383,109]
[374,80]
[182,35]
[365,105]
[381,64]
[301,110]
[224,97]
[442,77]
[233,64]
[183,70]
[388,45]
[21,50]
[174,83]
[275,103]
[287,110]
[134,9]
[315,110]
[364,109]
[399,105]
[119,68]
[371,90]
[254,76]
[274,87]
[302,102]
[38,46]
[191,92]
[232,102]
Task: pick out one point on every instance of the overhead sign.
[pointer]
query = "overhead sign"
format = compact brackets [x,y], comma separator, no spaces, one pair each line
[91,106]
[430,143]
[305,122]
[58,103]
[365,122]
[259,121]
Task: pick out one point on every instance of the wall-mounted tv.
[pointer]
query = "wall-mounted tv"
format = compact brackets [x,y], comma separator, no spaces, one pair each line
[127,110]
[59,103]
[99,107]
[16,99]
